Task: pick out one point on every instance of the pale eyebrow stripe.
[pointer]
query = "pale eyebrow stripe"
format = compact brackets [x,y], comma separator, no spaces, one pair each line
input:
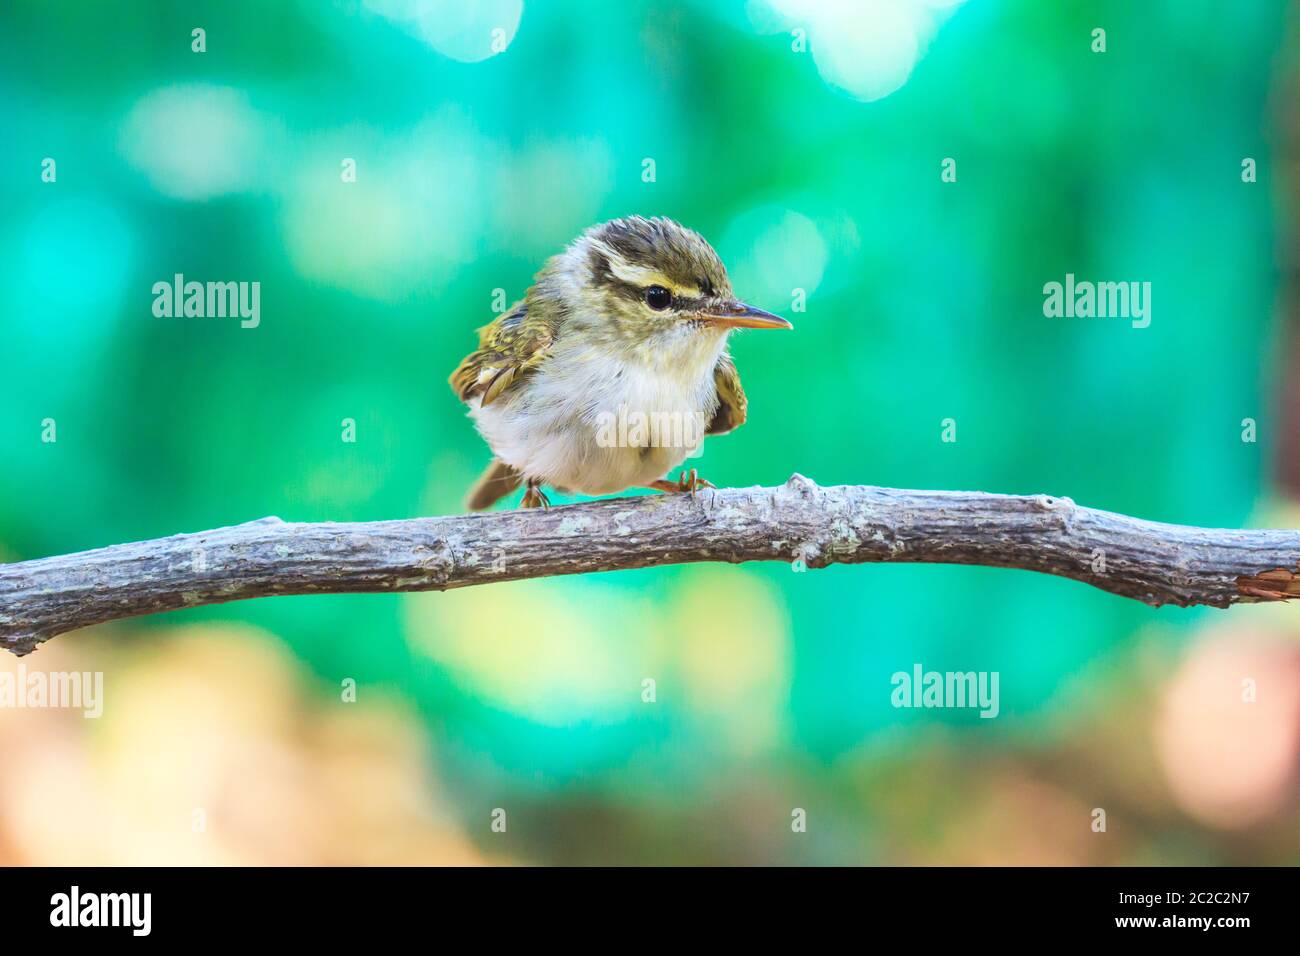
[643,276]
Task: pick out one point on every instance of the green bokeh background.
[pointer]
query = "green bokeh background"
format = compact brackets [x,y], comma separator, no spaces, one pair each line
[924,302]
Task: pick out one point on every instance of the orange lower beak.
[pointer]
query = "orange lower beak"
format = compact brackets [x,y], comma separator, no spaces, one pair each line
[737,315]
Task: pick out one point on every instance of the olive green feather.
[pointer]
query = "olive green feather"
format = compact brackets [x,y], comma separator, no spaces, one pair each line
[732,403]
[508,348]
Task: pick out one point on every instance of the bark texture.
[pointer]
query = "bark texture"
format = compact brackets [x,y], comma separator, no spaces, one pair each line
[795,522]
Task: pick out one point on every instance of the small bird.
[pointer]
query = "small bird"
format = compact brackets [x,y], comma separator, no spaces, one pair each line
[612,369]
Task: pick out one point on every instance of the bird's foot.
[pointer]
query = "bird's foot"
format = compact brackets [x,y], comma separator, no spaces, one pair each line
[686,481]
[534,498]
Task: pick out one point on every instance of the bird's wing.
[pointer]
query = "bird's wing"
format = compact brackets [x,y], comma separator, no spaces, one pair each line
[731,398]
[507,349]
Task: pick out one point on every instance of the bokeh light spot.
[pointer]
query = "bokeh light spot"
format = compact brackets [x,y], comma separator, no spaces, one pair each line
[194,141]
[866,48]
[772,250]
[465,30]
[76,255]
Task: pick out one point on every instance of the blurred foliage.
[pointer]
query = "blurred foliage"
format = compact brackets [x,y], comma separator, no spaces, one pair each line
[815,170]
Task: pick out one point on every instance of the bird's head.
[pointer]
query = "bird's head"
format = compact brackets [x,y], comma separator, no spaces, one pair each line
[645,280]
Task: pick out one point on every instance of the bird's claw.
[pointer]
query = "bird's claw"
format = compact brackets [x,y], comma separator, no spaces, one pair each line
[686,481]
[535,498]
[692,482]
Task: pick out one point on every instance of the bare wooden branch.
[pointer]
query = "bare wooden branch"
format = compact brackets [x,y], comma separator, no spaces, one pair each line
[796,522]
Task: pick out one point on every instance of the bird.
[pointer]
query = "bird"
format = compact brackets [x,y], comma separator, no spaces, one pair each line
[612,368]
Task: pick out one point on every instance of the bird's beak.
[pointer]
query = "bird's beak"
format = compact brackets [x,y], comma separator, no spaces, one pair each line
[737,315]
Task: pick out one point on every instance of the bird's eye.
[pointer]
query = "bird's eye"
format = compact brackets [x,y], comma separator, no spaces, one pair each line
[658,298]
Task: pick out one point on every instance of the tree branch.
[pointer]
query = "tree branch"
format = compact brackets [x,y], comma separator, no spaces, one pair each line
[796,522]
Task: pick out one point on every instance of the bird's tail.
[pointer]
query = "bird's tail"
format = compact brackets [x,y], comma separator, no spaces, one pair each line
[494,484]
